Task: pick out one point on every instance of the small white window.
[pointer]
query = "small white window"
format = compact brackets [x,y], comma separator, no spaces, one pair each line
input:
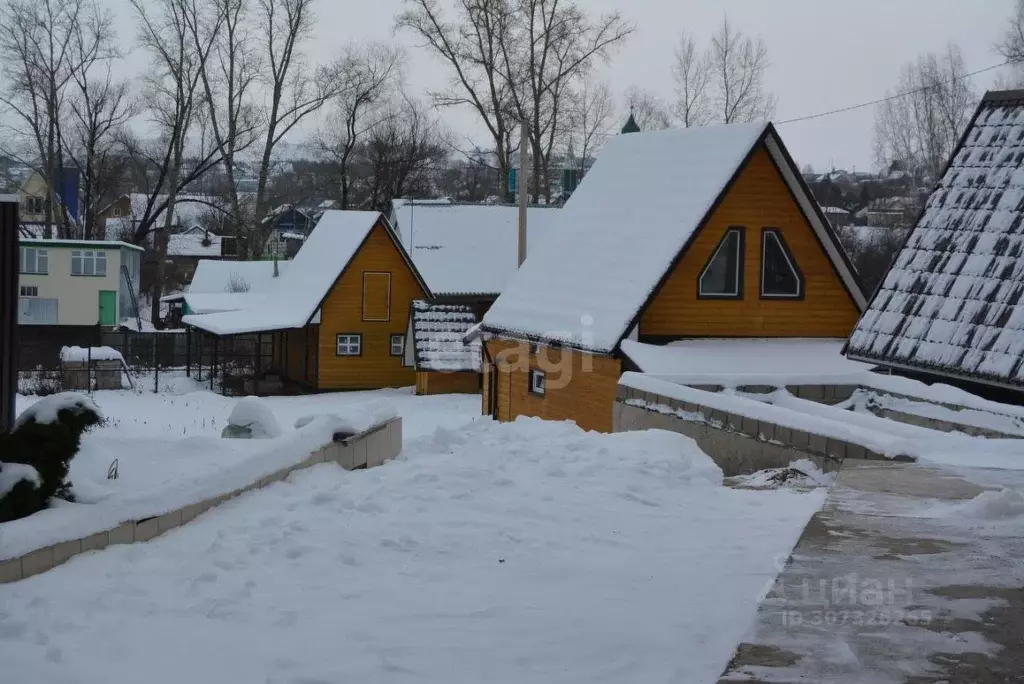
[87,262]
[28,291]
[537,382]
[350,345]
[722,276]
[33,260]
[397,345]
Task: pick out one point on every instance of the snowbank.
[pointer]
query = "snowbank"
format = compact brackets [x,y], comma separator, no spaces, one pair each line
[1004,504]
[224,466]
[357,418]
[84,354]
[46,409]
[253,413]
[499,553]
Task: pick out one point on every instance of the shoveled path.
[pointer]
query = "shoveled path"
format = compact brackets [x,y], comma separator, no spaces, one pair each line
[897,579]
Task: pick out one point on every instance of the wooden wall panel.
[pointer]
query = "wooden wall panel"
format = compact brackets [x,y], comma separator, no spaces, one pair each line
[447,383]
[580,387]
[343,313]
[759,198]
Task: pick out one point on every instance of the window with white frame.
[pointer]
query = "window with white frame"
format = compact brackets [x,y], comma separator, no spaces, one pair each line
[88,262]
[28,291]
[722,277]
[397,345]
[37,311]
[349,344]
[33,260]
[780,276]
[537,382]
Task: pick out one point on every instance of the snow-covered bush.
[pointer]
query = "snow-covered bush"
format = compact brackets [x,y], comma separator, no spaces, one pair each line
[45,438]
[252,418]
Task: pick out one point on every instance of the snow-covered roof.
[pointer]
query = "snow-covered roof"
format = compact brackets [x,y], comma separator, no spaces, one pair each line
[293,300]
[438,332]
[219,277]
[623,228]
[94,244]
[292,236]
[193,244]
[951,303]
[467,248]
[835,210]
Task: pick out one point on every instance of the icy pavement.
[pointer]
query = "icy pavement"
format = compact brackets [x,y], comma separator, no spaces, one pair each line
[525,552]
[910,573]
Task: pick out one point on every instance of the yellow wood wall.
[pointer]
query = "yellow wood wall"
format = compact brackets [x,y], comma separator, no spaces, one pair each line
[343,313]
[581,387]
[759,198]
[447,383]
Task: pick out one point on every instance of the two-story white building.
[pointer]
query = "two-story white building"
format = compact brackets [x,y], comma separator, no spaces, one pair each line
[77,282]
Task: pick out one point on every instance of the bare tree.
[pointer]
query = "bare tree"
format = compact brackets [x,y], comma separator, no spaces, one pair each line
[649,112]
[548,46]
[168,30]
[591,117]
[1012,48]
[738,64]
[100,106]
[368,74]
[692,75]
[44,46]
[471,47]
[400,153]
[919,130]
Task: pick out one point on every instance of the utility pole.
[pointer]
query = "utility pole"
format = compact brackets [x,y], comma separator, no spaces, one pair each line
[524,183]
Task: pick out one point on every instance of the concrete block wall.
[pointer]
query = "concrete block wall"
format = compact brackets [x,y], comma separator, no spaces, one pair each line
[364,450]
[738,444]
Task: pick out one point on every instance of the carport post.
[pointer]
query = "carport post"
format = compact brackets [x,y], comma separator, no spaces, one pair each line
[188,351]
[213,364]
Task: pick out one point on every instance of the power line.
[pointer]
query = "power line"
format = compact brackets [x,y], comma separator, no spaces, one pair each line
[898,95]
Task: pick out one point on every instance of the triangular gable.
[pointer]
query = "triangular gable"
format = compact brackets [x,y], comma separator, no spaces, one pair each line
[952,302]
[296,298]
[628,225]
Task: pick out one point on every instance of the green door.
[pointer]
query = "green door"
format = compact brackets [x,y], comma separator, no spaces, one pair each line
[108,307]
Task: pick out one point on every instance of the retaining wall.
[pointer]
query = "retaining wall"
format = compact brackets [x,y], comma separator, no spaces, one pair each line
[364,450]
[738,444]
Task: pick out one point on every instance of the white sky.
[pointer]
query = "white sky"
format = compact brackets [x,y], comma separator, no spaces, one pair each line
[825,54]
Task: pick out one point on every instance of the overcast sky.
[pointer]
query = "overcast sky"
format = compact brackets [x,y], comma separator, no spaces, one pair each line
[825,54]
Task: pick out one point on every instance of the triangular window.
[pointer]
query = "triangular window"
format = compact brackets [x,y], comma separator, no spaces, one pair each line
[780,276]
[722,277]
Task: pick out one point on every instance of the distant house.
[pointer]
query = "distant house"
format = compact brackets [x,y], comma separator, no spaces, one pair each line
[888,212]
[186,250]
[77,282]
[436,347]
[696,233]
[124,214]
[837,216]
[289,226]
[337,316]
[33,196]
[951,307]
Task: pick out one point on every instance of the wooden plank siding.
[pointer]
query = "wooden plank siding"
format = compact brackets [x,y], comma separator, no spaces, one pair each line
[343,312]
[447,383]
[758,199]
[580,387]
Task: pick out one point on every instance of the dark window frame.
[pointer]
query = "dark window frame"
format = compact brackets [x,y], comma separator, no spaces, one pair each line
[538,373]
[391,344]
[337,339]
[790,259]
[740,262]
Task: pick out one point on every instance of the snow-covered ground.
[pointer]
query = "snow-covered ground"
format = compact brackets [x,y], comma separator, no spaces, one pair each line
[169,452]
[488,552]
